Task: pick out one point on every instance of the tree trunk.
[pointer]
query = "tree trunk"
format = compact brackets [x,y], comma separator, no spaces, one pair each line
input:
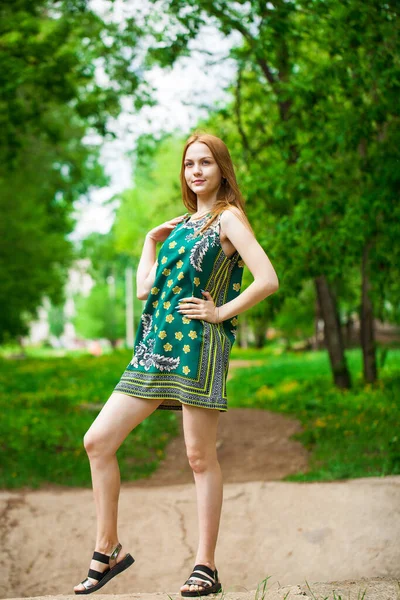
[367,332]
[317,320]
[332,332]
[259,339]
[349,328]
[259,329]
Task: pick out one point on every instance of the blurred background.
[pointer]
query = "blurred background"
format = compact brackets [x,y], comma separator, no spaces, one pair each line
[97,100]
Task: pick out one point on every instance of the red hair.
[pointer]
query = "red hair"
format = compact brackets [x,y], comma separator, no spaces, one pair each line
[228,193]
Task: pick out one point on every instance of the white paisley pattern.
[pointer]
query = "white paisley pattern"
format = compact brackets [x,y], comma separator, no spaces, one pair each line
[208,240]
[144,355]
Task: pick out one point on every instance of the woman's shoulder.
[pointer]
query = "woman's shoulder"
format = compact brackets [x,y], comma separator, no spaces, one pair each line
[231,214]
[232,208]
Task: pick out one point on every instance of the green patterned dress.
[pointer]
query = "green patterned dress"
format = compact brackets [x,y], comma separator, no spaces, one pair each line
[176,358]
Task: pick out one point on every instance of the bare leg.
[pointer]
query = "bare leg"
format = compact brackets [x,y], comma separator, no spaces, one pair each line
[118,417]
[200,430]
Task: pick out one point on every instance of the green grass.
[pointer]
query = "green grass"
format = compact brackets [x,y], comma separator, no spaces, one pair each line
[350,433]
[43,421]
[43,416]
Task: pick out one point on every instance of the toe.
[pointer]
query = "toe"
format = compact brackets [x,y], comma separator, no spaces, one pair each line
[189,588]
[81,587]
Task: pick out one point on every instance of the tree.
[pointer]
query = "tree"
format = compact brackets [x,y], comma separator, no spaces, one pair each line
[311,93]
[51,103]
[102,314]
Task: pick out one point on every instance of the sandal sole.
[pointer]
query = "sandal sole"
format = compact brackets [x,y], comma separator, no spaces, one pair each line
[215,589]
[119,567]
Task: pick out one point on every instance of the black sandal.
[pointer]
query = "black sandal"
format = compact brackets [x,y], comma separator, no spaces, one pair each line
[113,569]
[204,577]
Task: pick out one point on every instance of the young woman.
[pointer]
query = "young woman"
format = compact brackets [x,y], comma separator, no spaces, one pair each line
[182,348]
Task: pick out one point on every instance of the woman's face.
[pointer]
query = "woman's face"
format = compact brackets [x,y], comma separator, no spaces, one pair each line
[202,173]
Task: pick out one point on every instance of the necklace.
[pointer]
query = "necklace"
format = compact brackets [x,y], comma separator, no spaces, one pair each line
[199,216]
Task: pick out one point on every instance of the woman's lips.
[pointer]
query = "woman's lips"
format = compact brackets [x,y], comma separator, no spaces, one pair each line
[198,181]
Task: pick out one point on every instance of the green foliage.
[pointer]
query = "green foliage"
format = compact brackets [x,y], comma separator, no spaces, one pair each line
[57,320]
[36,203]
[52,102]
[350,433]
[48,55]
[296,317]
[46,410]
[102,313]
[156,195]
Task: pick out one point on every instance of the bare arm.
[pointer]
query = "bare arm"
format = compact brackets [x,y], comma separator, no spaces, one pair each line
[146,271]
[265,278]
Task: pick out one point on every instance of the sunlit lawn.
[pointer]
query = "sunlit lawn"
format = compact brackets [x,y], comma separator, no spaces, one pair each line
[44,415]
[44,418]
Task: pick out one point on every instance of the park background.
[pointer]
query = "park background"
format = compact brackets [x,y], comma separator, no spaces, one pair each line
[97,101]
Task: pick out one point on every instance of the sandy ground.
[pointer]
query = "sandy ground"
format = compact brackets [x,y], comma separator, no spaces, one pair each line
[368,589]
[315,532]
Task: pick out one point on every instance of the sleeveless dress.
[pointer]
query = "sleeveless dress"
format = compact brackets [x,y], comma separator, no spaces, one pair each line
[177,358]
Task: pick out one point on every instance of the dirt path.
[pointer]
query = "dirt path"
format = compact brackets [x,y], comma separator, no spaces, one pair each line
[366,589]
[292,532]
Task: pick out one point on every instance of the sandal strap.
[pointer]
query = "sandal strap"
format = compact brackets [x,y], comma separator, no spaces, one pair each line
[206,570]
[202,575]
[103,558]
[198,581]
[114,555]
[96,574]
[87,584]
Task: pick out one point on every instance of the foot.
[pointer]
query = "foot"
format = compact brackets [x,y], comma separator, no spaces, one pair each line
[99,566]
[200,580]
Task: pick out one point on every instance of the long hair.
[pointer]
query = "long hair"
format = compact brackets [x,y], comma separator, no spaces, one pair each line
[228,193]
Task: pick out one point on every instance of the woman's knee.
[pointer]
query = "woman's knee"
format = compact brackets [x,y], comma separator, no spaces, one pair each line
[201,460]
[95,445]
